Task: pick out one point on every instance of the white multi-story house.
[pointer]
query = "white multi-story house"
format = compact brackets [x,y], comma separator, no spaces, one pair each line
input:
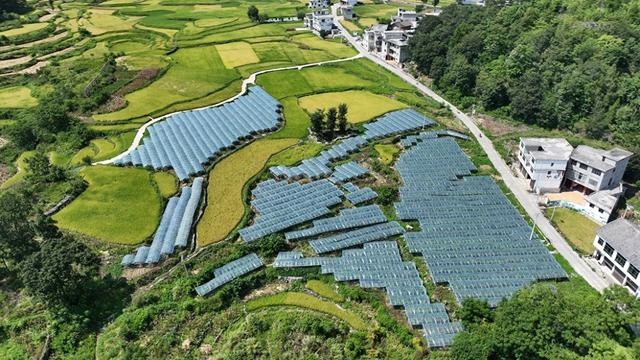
[349,2]
[593,169]
[543,161]
[392,41]
[472,2]
[319,21]
[618,252]
[405,15]
[318,4]
[395,44]
[347,12]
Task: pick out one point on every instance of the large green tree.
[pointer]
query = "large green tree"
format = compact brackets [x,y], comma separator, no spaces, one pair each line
[546,322]
[17,232]
[58,273]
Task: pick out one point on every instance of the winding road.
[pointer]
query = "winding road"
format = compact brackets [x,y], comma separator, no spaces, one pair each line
[521,193]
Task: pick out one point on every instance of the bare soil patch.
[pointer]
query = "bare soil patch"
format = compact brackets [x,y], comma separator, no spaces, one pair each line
[5,173]
[117,100]
[498,127]
[4,64]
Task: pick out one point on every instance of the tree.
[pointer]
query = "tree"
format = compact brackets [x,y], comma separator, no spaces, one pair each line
[543,322]
[42,171]
[16,230]
[343,109]
[332,115]
[253,13]
[317,119]
[475,311]
[58,273]
[435,4]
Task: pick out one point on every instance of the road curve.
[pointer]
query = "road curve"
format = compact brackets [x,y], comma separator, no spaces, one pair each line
[245,84]
[526,200]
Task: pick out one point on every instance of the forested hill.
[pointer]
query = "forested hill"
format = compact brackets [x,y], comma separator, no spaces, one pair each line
[569,64]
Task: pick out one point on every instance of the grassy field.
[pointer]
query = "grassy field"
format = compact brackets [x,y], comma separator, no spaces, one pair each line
[295,154]
[195,73]
[121,205]
[225,206]
[101,21]
[363,105]
[104,148]
[236,54]
[21,165]
[167,183]
[24,29]
[325,290]
[578,229]
[16,97]
[386,152]
[308,302]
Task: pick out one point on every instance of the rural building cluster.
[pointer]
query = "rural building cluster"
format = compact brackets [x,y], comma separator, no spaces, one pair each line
[552,165]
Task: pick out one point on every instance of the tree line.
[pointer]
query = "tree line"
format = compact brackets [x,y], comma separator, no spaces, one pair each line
[327,125]
[546,321]
[571,65]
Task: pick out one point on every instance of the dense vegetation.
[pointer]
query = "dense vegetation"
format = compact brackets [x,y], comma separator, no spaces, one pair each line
[549,322]
[571,65]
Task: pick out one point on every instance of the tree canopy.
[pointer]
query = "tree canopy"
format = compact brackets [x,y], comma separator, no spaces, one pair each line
[570,64]
[547,322]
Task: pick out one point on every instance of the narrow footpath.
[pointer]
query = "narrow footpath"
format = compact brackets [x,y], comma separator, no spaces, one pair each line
[526,200]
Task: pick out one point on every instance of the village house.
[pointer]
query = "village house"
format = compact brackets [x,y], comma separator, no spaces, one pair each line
[318,4]
[319,21]
[392,41]
[552,165]
[543,162]
[347,12]
[593,169]
[618,252]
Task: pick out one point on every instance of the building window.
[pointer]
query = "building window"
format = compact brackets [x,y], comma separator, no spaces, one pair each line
[548,172]
[596,171]
[631,285]
[600,211]
[600,241]
[551,164]
[610,182]
[573,162]
[583,166]
[606,262]
[608,249]
[592,206]
[633,272]
[620,259]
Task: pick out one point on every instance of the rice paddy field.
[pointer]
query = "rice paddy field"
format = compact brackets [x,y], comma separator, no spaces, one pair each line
[17,97]
[24,29]
[120,205]
[363,106]
[225,197]
[199,53]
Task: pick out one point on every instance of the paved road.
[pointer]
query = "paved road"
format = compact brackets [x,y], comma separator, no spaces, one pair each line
[516,187]
[250,80]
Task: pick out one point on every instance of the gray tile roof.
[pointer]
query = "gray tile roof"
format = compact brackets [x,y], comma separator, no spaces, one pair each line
[594,157]
[548,148]
[624,236]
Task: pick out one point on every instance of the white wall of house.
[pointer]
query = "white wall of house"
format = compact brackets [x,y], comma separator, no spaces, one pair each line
[616,265]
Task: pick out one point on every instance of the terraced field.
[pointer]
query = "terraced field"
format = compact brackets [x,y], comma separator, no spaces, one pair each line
[120,206]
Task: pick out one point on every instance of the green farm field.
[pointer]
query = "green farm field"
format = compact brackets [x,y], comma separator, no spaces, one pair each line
[121,205]
[363,106]
[17,97]
[306,301]
[225,201]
